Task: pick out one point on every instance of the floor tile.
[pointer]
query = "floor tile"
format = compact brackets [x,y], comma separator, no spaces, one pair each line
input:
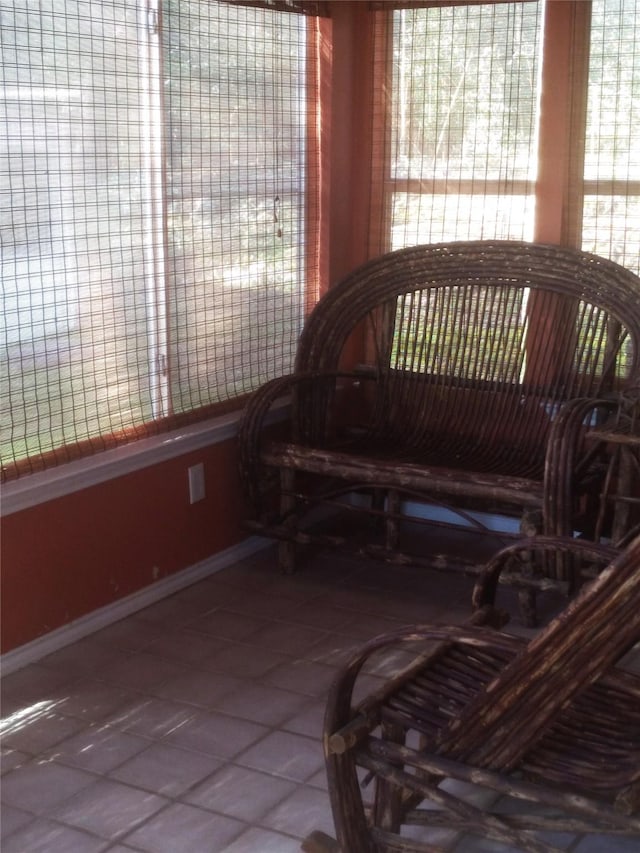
[302,676]
[245,661]
[91,700]
[47,836]
[109,809]
[366,626]
[165,769]
[41,785]
[216,734]
[97,748]
[150,716]
[261,703]
[300,814]
[292,756]
[12,818]
[228,625]
[207,595]
[11,758]
[198,687]
[319,780]
[32,684]
[263,841]
[263,604]
[169,611]
[36,728]
[333,649]
[140,671]
[240,793]
[186,646]
[321,615]
[83,657]
[288,638]
[186,829]
[131,634]
[309,721]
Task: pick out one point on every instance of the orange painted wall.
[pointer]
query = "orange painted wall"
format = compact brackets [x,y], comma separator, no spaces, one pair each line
[64,558]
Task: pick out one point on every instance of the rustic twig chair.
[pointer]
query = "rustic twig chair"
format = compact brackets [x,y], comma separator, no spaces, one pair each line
[484,365]
[549,729]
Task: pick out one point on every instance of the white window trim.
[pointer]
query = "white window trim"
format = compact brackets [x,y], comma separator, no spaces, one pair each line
[34,489]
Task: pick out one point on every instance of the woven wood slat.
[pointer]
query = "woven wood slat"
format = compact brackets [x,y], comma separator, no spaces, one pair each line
[317,8]
[390,5]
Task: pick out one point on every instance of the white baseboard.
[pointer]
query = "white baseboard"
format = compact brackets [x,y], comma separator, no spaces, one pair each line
[85,625]
[79,628]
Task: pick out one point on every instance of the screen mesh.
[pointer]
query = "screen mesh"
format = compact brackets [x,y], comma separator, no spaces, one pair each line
[611,210]
[457,140]
[156,199]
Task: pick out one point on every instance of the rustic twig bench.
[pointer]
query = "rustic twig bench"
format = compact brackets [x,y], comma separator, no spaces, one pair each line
[483,363]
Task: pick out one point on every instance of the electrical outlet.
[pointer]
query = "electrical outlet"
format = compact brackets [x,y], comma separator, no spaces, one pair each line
[196,483]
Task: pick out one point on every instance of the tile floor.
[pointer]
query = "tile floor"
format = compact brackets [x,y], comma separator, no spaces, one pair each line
[194,725]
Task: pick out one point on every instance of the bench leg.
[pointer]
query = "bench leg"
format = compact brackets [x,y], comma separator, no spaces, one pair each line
[287,547]
[392,527]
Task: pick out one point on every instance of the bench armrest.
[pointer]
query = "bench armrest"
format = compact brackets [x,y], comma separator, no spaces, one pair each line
[502,563]
[568,460]
[254,420]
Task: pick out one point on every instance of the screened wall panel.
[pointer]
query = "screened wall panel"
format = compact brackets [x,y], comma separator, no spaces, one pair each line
[458,134]
[457,142]
[611,205]
[74,360]
[157,199]
[236,198]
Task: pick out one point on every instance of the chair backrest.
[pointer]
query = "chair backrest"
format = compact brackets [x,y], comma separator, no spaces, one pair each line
[481,338]
[578,647]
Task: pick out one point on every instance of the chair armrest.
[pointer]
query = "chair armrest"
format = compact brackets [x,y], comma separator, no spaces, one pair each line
[345,725]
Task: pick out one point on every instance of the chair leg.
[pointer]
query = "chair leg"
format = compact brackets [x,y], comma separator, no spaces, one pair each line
[530,525]
[528,608]
[350,820]
[320,842]
[387,812]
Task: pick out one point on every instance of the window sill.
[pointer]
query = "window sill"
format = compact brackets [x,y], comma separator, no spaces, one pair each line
[44,486]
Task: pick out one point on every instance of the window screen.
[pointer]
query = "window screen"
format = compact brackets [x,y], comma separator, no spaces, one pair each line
[611,209]
[457,139]
[156,213]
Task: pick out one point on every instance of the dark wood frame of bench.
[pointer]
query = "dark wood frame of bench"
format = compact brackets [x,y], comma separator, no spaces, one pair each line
[526,433]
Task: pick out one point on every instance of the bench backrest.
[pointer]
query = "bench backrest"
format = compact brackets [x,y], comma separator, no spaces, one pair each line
[481,339]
